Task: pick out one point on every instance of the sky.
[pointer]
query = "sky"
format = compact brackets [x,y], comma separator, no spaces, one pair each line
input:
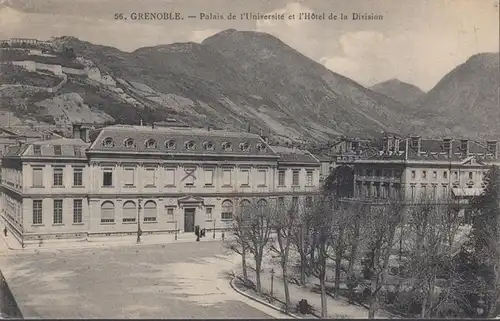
[418,41]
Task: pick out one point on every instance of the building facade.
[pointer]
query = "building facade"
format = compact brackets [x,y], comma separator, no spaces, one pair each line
[414,168]
[162,179]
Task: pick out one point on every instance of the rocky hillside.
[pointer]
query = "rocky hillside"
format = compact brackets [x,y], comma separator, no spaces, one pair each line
[399,91]
[466,101]
[234,80]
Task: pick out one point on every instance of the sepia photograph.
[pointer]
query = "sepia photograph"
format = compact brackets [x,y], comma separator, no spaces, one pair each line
[249,159]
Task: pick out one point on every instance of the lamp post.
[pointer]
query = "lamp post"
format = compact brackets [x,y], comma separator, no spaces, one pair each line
[139,232]
[175,229]
[213,235]
[272,282]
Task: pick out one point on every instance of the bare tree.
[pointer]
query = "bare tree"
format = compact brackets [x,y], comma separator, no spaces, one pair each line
[301,237]
[285,217]
[257,232]
[383,221]
[239,244]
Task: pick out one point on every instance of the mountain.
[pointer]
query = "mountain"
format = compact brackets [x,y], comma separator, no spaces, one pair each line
[399,91]
[230,80]
[466,101]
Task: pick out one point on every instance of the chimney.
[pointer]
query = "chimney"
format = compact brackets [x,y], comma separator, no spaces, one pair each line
[416,143]
[396,144]
[464,147]
[492,148]
[85,134]
[76,130]
[448,146]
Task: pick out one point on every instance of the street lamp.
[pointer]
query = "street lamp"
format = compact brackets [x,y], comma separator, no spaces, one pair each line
[139,232]
[213,235]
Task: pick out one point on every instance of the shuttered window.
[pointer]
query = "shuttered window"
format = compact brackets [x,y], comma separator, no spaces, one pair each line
[129,176]
[209,177]
[226,177]
[169,177]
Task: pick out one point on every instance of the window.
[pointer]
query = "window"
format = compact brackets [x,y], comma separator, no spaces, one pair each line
[108,142]
[190,145]
[245,147]
[37,177]
[77,176]
[261,177]
[170,144]
[150,177]
[378,173]
[57,150]
[77,151]
[169,177]
[262,206]
[170,214]
[150,143]
[209,177]
[445,175]
[434,174]
[434,191]
[208,213]
[208,145]
[413,174]
[445,191]
[129,212]
[412,187]
[424,189]
[77,211]
[295,177]
[58,211]
[129,142]
[189,178]
[295,202]
[58,177]
[471,175]
[37,212]
[261,147]
[227,210]
[227,146]
[37,150]
[377,190]
[455,175]
[424,174]
[107,177]
[150,211]
[226,177]
[129,176]
[309,178]
[107,212]
[281,178]
[245,177]
[281,201]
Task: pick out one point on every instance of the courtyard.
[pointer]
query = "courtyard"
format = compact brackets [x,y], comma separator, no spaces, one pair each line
[183,280]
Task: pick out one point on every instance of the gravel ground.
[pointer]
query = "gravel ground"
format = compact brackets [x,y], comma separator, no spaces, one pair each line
[186,280]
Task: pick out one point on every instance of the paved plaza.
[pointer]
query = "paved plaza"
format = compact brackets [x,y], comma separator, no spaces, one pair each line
[182,280]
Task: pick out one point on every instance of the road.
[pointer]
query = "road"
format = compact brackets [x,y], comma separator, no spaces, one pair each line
[183,280]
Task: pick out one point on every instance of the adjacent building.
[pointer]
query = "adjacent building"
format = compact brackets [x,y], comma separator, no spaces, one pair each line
[163,178]
[413,168]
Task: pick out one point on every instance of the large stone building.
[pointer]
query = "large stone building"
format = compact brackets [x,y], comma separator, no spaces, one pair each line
[414,168]
[164,178]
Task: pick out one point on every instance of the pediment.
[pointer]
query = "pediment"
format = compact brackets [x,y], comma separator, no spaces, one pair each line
[190,199]
[472,161]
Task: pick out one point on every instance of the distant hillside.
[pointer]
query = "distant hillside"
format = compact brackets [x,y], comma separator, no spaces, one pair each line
[399,91]
[234,80]
[466,101]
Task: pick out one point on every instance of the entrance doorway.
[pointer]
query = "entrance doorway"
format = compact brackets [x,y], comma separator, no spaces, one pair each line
[189,219]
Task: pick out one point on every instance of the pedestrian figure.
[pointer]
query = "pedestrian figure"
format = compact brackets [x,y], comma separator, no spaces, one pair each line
[5,231]
[197,232]
[203,233]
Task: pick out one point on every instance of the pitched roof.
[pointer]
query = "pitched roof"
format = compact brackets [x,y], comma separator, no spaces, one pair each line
[69,148]
[124,138]
[294,155]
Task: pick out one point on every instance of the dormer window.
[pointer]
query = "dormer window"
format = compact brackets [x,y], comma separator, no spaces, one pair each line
[190,145]
[261,147]
[57,150]
[227,146]
[150,143]
[245,147]
[129,142]
[108,142]
[170,144]
[208,145]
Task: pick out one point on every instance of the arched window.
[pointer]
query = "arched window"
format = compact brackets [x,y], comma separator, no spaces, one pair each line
[108,142]
[129,212]
[245,208]
[208,145]
[150,211]
[226,146]
[108,212]
[190,145]
[245,146]
[227,210]
[262,203]
[170,144]
[129,142]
